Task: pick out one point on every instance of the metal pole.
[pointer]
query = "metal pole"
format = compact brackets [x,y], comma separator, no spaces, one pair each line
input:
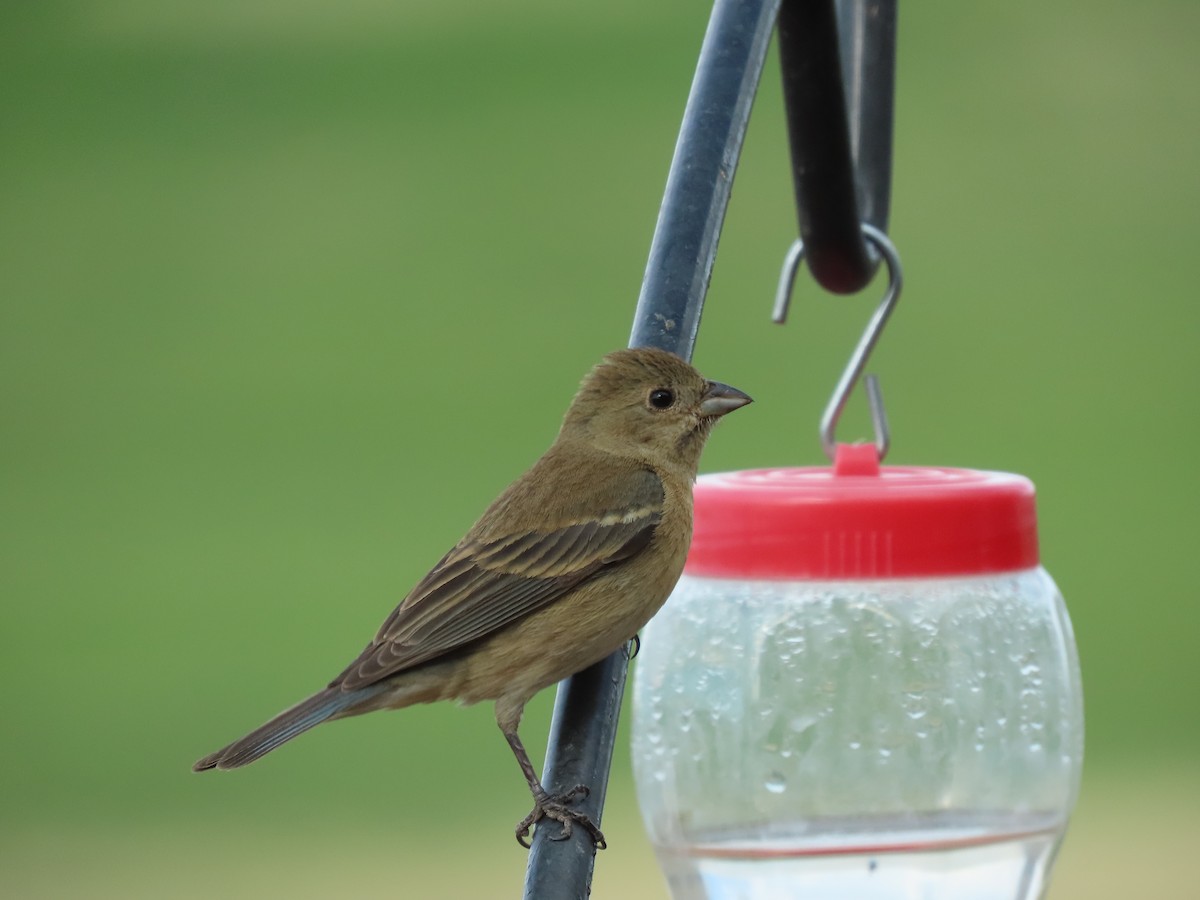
[701,177]
[867,29]
[586,710]
[839,111]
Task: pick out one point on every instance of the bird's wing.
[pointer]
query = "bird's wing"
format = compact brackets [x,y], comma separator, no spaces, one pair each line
[482,586]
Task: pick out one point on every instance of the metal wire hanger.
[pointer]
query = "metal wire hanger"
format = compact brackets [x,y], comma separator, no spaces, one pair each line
[858,359]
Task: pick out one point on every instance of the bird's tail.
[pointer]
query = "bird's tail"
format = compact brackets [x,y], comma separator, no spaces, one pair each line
[285,726]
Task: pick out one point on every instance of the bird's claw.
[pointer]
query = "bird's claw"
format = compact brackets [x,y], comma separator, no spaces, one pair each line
[558,808]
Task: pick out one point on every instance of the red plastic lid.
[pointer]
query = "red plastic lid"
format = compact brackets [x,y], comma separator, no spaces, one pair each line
[860,521]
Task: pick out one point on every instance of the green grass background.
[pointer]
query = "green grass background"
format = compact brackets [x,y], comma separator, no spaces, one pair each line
[288,291]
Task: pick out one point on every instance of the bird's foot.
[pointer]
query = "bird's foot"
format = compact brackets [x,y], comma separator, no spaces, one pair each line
[558,808]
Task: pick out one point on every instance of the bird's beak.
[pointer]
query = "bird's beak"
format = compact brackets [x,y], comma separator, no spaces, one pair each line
[721,398]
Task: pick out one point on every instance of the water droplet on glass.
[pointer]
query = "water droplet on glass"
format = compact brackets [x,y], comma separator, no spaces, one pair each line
[776,783]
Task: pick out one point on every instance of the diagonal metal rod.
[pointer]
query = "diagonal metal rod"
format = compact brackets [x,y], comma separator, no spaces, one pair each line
[701,177]
[586,710]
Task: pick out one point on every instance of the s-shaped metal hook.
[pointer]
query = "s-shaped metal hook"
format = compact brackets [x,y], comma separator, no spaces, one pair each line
[858,360]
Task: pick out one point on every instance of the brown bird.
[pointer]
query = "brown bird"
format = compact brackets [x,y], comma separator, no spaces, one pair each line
[561,570]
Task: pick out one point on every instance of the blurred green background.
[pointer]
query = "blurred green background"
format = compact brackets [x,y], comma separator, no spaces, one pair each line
[289,291]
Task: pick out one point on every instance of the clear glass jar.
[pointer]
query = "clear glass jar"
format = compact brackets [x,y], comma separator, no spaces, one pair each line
[869,733]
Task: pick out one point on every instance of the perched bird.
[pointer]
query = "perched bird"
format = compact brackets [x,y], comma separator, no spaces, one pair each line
[561,570]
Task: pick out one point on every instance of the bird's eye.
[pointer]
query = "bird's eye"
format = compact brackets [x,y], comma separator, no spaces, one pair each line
[661,398]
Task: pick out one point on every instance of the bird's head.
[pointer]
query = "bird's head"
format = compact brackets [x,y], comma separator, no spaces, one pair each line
[649,404]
